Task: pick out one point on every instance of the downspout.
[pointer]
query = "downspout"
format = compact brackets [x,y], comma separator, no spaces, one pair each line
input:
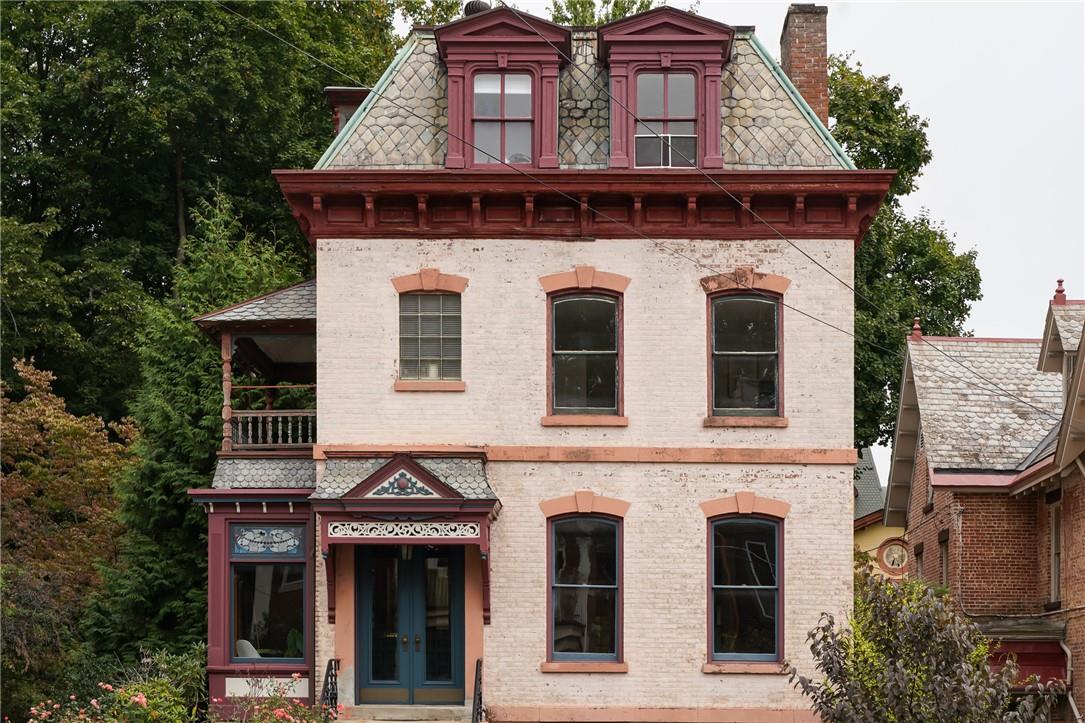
[1070,681]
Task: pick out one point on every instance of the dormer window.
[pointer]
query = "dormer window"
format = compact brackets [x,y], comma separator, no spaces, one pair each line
[502,123]
[666,136]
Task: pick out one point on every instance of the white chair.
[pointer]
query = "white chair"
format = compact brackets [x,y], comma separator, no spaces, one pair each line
[245,649]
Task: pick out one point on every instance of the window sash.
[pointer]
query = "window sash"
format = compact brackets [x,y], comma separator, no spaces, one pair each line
[556,586]
[667,158]
[503,119]
[447,356]
[773,354]
[232,609]
[776,589]
[613,354]
[1056,553]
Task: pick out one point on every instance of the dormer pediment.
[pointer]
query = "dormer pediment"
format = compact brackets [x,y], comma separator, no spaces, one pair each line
[667,25]
[501,30]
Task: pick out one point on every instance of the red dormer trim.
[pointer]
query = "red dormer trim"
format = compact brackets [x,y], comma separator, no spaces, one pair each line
[665,39]
[498,41]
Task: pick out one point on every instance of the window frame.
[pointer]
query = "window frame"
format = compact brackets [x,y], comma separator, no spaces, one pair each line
[778,654]
[619,603]
[665,119]
[469,107]
[441,314]
[713,412]
[943,563]
[1054,521]
[303,559]
[551,391]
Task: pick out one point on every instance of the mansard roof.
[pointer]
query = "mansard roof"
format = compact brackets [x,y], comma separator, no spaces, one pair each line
[765,122]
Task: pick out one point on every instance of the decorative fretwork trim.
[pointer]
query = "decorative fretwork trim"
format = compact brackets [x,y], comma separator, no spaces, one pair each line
[458,530]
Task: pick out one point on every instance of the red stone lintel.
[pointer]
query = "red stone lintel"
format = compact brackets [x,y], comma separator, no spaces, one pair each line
[618,203]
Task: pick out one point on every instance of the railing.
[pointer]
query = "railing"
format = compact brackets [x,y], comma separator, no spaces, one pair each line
[264,428]
[329,692]
[477,710]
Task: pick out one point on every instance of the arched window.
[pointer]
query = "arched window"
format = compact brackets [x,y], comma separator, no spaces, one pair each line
[585,339]
[746,611]
[745,355]
[585,588]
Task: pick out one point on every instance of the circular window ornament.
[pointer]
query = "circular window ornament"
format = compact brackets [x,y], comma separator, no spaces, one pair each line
[893,556]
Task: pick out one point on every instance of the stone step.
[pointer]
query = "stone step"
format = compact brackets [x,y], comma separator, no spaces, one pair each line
[429,713]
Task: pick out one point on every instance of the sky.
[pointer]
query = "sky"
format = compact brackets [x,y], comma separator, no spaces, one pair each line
[1003,87]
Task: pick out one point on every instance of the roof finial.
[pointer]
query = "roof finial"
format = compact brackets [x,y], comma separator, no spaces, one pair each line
[1060,294]
[917,330]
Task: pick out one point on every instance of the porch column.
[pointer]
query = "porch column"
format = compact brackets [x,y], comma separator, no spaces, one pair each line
[227,354]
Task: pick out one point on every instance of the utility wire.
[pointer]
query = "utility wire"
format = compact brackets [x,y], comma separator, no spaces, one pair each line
[658,244]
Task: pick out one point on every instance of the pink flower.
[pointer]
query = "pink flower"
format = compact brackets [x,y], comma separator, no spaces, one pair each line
[296,676]
[106,687]
[139,699]
[94,702]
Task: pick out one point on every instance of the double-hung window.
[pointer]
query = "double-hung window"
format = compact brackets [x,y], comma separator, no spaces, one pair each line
[502,118]
[584,354]
[746,609]
[666,134]
[429,336]
[1055,522]
[585,588]
[267,591]
[745,355]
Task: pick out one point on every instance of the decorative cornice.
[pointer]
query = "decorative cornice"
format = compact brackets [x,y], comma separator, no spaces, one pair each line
[585,502]
[746,503]
[744,278]
[611,203]
[584,278]
[430,280]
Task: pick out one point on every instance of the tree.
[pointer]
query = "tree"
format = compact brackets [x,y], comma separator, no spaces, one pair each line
[155,596]
[907,266]
[590,12]
[907,655]
[58,472]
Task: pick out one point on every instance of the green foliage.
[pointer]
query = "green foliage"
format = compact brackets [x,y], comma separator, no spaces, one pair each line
[907,655]
[909,266]
[156,595]
[595,12]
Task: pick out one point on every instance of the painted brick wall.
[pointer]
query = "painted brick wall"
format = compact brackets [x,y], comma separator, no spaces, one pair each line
[504,348]
[665,563]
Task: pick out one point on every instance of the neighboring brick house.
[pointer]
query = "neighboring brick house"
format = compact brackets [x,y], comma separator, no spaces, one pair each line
[579,421]
[990,487]
[885,545]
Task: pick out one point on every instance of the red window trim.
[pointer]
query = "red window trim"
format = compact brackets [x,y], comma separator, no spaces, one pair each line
[780,576]
[552,415]
[778,299]
[475,70]
[617,664]
[696,119]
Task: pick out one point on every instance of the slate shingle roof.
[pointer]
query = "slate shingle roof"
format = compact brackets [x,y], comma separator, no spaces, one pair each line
[870,495]
[466,476]
[264,473]
[765,125]
[292,303]
[1069,320]
[966,425]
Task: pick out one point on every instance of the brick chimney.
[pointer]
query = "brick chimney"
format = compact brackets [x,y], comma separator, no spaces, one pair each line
[804,54]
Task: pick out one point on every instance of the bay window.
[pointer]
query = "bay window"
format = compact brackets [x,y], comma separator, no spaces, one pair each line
[267,592]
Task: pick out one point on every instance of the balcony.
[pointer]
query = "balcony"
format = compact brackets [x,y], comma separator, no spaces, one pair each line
[272,427]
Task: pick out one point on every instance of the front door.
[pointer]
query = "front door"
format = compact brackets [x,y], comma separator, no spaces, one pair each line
[410,624]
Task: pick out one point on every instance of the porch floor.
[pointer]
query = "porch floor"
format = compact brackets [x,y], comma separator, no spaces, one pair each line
[440,713]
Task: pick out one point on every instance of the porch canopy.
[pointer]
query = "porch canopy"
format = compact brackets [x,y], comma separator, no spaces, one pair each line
[405,500]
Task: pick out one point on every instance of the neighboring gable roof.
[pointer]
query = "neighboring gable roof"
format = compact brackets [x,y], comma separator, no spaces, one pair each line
[869,494]
[1062,333]
[294,303]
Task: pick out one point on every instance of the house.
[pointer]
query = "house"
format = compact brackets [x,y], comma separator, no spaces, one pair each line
[987,478]
[885,545]
[548,431]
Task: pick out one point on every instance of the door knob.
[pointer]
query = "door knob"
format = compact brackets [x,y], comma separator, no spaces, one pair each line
[404,642]
[418,643]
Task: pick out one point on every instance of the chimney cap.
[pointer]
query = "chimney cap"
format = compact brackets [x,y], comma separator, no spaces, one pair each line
[474,7]
[807,9]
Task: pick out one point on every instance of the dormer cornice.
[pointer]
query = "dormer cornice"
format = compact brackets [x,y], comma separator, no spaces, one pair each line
[502,32]
[677,32]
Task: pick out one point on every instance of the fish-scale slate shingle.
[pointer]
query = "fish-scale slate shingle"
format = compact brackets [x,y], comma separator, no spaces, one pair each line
[966,423]
[466,476]
[264,473]
[763,127]
[291,303]
[1069,319]
[869,493]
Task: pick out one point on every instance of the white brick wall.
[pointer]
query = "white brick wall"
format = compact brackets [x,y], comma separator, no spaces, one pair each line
[504,347]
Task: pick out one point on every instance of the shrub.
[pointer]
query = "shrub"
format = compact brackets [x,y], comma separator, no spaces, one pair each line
[270,704]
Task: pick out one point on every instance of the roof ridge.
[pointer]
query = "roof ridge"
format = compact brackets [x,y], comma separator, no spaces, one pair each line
[1008,340]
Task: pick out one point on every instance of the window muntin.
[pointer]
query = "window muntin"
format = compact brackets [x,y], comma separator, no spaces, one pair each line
[745,589]
[429,336]
[745,356]
[502,115]
[584,585]
[584,354]
[666,134]
[267,592]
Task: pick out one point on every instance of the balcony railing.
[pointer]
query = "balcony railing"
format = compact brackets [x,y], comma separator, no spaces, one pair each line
[276,426]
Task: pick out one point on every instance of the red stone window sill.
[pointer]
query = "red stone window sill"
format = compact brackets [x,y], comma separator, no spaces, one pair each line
[423,385]
[565,666]
[584,420]
[723,667]
[739,421]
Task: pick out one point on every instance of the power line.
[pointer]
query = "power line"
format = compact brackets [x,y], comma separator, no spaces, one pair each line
[658,244]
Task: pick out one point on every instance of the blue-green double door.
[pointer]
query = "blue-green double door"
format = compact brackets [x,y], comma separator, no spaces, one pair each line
[410,624]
